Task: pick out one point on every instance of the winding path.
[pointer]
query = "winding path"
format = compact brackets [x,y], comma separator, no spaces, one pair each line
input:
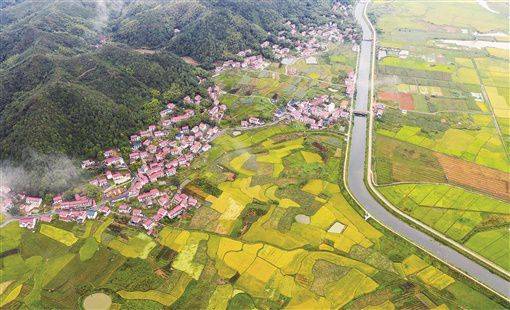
[358,188]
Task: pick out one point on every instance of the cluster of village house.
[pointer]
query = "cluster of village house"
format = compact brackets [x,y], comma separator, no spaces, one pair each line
[350,84]
[385,51]
[298,43]
[249,61]
[432,58]
[82,208]
[308,41]
[318,113]
[252,122]
[159,155]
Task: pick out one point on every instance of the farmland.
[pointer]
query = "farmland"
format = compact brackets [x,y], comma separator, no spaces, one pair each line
[243,247]
[480,222]
[275,227]
[259,93]
[441,147]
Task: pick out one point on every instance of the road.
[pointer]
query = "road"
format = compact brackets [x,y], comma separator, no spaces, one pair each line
[358,188]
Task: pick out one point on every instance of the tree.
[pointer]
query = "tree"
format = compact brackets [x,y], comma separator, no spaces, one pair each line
[174,93]
[93,192]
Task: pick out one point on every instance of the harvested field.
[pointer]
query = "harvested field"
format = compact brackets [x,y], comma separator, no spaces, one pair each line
[303,219]
[478,177]
[404,100]
[397,161]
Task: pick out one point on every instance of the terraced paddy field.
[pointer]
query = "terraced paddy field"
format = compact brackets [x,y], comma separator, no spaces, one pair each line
[260,92]
[244,248]
[441,147]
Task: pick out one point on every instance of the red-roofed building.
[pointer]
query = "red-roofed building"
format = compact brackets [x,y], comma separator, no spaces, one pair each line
[192,201]
[124,208]
[152,194]
[164,200]
[148,224]
[57,199]
[179,198]
[46,218]
[136,212]
[83,202]
[135,220]
[162,212]
[104,210]
[176,211]
[115,160]
[28,222]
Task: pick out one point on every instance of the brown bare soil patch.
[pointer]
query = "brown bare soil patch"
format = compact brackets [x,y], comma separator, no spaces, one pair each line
[195,190]
[484,179]
[404,100]
[397,161]
[190,60]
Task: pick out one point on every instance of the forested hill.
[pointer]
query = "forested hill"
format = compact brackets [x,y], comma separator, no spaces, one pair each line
[72,81]
[81,104]
[208,30]
[62,90]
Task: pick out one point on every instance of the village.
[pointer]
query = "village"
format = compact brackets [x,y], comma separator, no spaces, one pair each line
[128,185]
[157,156]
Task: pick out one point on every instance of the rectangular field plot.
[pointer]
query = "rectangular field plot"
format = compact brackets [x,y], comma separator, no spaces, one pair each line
[397,161]
[483,147]
[60,235]
[492,244]
[434,277]
[459,214]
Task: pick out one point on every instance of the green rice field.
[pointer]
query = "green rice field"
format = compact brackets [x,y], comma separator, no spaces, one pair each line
[480,222]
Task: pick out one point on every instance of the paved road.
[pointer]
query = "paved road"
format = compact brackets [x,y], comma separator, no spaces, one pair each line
[356,171]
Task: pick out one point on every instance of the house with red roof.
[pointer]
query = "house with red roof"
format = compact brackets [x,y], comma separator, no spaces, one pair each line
[149,224]
[164,200]
[180,198]
[28,222]
[135,219]
[137,212]
[46,218]
[119,178]
[114,161]
[178,210]
[57,199]
[104,210]
[162,212]
[124,209]
[152,194]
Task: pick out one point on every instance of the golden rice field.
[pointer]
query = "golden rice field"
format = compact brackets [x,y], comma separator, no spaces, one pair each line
[248,250]
[60,235]
[268,258]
